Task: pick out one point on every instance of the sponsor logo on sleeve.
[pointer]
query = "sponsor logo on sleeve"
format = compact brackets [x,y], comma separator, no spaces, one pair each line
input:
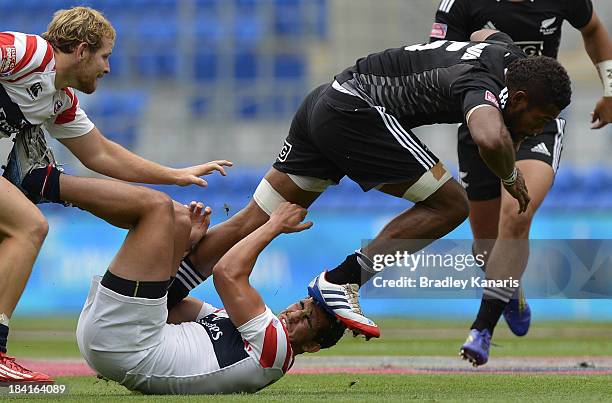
[8,55]
[438,30]
[282,157]
[491,98]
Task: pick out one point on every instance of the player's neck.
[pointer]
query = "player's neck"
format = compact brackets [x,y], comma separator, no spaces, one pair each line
[63,64]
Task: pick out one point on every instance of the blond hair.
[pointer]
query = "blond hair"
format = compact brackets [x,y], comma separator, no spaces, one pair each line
[69,28]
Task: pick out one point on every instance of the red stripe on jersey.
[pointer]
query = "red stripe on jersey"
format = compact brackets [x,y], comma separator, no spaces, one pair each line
[41,68]
[31,44]
[289,353]
[7,39]
[69,114]
[268,355]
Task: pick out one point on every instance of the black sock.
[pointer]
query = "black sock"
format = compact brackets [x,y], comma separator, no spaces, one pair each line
[4,330]
[356,269]
[130,288]
[43,182]
[494,301]
[187,278]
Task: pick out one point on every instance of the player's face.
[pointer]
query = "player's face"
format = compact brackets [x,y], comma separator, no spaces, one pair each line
[303,320]
[526,120]
[94,66]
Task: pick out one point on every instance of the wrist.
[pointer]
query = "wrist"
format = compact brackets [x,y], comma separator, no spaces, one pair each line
[510,179]
[605,73]
[272,228]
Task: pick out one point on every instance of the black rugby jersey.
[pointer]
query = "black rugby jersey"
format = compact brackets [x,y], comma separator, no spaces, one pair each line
[438,82]
[534,25]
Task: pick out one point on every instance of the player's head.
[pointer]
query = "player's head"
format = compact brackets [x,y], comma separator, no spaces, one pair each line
[86,35]
[539,88]
[310,328]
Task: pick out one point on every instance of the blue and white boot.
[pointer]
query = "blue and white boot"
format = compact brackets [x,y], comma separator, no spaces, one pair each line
[342,302]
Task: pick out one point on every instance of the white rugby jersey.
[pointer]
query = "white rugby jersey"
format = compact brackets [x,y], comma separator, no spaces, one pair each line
[28,97]
[212,356]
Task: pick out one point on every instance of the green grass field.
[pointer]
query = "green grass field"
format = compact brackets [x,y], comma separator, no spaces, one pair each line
[53,338]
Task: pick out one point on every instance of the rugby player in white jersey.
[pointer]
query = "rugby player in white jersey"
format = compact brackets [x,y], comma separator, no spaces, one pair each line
[38,79]
[123,331]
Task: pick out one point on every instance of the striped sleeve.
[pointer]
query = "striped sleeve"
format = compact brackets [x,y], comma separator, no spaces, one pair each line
[23,55]
[71,121]
[268,341]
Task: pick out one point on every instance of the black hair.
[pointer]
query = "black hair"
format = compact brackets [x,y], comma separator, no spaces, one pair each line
[327,337]
[543,78]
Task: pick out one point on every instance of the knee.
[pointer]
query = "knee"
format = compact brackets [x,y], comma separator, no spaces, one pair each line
[182,219]
[37,229]
[513,225]
[452,203]
[156,204]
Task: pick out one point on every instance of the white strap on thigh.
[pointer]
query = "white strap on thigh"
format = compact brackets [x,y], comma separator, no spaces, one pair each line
[428,183]
[310,184]
[267,197]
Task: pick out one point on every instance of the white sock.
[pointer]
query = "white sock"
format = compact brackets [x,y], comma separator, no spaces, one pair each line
[4,320]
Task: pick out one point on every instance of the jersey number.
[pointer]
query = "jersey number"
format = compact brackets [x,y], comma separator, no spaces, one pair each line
[471,53]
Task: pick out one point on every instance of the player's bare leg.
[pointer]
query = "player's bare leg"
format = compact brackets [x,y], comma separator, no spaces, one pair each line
[22,232]
[222,237]
[219,239]
[508,260]
[414,229]
[484,221]
[147,253]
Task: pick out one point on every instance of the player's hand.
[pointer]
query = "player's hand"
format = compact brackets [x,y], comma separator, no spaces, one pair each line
[200,221]
[288,218]
[191,175]
[602,114]
[519,191]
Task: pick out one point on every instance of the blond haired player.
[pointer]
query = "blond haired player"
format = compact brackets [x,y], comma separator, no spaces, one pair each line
[38,79]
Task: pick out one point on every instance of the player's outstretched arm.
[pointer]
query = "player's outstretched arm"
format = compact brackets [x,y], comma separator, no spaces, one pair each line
[495,145]
[231,274]
[108,158]
[482,35]
[598,46]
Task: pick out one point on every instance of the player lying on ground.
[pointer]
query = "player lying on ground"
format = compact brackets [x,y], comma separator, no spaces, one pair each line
[37,82]
[122,330]
[359,126]
[536,28]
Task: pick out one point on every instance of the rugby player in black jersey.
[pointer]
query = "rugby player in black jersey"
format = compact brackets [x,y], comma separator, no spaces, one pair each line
[359,126]
[535,26]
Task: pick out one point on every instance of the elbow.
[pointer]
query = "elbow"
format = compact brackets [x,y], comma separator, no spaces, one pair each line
[491,144]
[222,274]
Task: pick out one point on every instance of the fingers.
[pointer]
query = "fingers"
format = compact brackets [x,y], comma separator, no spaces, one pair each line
[218,166]
[305,225]
[598,124]
[523,200]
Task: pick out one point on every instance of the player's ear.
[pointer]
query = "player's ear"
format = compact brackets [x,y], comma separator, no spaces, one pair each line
[81,51]
[520,100]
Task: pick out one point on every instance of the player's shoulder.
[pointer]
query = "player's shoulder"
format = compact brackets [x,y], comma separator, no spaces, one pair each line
[267,340]
[23,53]
[453,6]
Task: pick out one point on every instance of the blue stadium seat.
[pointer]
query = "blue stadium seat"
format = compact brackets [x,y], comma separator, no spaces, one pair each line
[245,66]
[249,107]
[248,30]
[289,66]
[288,18]
[206,65]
